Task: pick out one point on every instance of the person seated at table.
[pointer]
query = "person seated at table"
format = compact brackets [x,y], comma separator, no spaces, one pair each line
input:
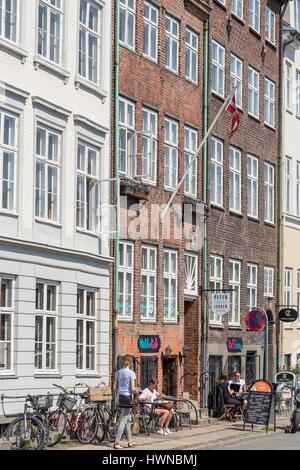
[228,395]
[150,394]
[240,394]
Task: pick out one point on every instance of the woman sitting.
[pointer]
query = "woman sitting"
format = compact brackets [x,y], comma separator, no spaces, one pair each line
[150,394]
[229,399]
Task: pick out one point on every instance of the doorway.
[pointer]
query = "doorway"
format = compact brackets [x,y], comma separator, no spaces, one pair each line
[170,376]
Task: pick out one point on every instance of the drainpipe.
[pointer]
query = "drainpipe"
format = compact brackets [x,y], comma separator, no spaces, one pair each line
[117,191]
[205,238]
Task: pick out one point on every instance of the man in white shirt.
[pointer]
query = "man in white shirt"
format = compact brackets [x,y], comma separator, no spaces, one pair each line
[150,394]
[240,394]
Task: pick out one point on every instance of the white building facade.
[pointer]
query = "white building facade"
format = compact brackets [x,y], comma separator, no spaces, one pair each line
[290,295]
[55,98]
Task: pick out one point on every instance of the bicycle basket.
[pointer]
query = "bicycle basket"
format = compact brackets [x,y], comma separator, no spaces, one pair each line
[99,394]
[44,402]
[68,402]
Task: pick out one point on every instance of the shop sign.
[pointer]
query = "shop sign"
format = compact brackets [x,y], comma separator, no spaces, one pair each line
[220,303]
[288,315]
[286,378]
[149,344]
[235,345]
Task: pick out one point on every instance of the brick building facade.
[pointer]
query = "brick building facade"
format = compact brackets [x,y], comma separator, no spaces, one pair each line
[161,92]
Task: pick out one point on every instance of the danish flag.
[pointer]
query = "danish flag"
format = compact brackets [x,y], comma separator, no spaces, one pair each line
[236,118]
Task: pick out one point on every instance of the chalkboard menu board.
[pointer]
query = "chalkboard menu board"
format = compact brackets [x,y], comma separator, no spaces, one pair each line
[259,408]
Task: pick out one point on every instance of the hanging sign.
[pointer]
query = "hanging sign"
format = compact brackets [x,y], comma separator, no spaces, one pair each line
[220,302]
[255,319]
[288,315]
[235,345]
[148,343]
[287,378]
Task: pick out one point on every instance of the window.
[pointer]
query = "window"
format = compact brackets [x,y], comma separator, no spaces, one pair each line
[297,93]
[171,44]
[288,287]
[191,56]
[190,274]
[251,286]
[288,184]
[45,350]
[216,172]
[269,193]
[47,173]
[127,149]
[218,68]
[150,31]
[89,40]
[268,282]
[254,14]
[125,287]
[8,160]
[253,93]
[8,19]
[234,179]
[6,323]
[297,360]
[234,283]
[269,103]
[88,192]
[149,145]
[49,29]
[148,284]
[148,370]
[288,86]
[298,188]
[236,78]
[297,14]
[287,361]
[127,22]
[234,364]
[171,153]
[298,297]
[252,175]
[216,282]
[270,25]
[86,330]
[190,148]
[237,8]
[170,286]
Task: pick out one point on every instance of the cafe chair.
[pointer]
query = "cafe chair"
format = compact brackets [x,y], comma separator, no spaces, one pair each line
[182,412]
[226,413]
[141,420]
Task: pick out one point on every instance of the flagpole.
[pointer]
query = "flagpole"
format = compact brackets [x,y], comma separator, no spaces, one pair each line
[229,97]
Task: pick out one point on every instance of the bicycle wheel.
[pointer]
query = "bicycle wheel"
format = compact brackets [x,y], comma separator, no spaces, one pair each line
[87,425]
[56,425]
[101,425]
[112,426]
[29,437]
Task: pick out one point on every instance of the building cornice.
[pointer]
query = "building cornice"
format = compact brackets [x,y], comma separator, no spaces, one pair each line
[88,122]
[14,90]
[36,100]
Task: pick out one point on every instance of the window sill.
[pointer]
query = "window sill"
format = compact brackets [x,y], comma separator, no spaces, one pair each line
[80,82]
[234,327]
[8,375]
[126,46]
[174,72]
[238,18]
[14,49]
[87,374]
[190,296]
[129,321]
[254,219]
[170,322]
[272,128]
[14,215]
[255,32]
[149,322]
[289,111]
[216,206]
[191,82]
[270,43]
[217,326]
[86,232]
[48,374]
[41,62]
[153,61]
[48,222]
[270,224]
[150,183]
[218,2]
[236,214]
[221,97]
[252,116]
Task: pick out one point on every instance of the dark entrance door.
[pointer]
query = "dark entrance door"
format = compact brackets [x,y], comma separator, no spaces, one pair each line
[250,367]
[170,376]
[215,370]
[148,370]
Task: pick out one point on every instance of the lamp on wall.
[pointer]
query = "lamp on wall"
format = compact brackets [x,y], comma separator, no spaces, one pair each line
[167,352]
[184,353]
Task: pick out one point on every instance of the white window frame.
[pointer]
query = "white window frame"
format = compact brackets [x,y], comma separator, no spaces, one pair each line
[237,7]
[298,188]
[149,145]
[190,148]
[216,284]
[236,78]
[128,12]
[170,153]
[190,274]
[125,314]
[148,273]
[48,164]
[173,40]
[86,318]
[254,15]
[16,26]
[10,148]
[218,69]
[298,93]
[170,276]
[288,184]
[127,128]
[59,12]
[288,86]
[269,183]
[235,180]
[191,51]
[252,186]
[252,270]
[269,103]
[46,315]
[8,310]
[150,29]
[269,282]
[235,294]
[253,92]
[288,282]
[216,169]
[270,26]
[296,4]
